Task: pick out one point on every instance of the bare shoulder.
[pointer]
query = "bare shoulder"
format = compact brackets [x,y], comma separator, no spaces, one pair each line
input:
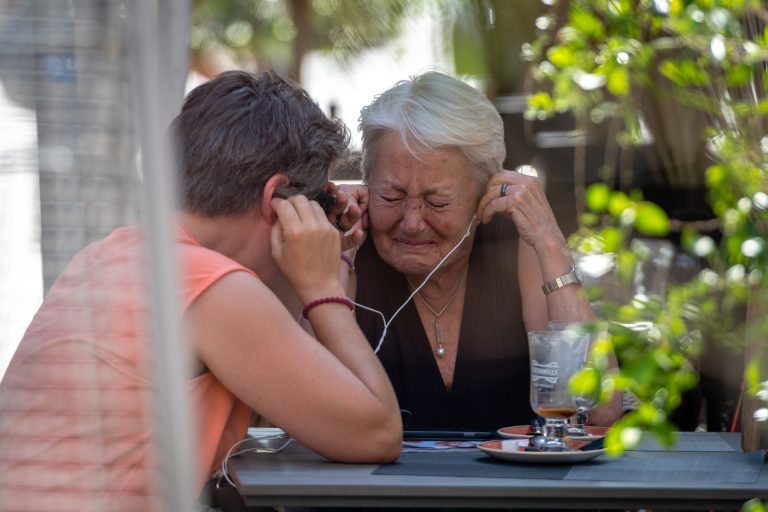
[235,292]
[235,312]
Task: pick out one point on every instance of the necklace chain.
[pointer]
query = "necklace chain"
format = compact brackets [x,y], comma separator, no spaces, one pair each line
[439,349]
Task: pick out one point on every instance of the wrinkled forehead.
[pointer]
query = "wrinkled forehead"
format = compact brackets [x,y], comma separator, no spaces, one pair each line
[398,164]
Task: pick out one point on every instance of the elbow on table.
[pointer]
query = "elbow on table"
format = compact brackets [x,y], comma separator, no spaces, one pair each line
[378,445]
[377,452]
[389,445]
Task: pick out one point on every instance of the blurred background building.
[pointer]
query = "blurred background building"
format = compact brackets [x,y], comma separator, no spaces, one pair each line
[68,150]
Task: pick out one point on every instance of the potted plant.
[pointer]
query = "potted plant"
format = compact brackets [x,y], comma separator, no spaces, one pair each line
[689,76]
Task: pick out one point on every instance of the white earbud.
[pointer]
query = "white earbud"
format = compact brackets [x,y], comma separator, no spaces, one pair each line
[469,228]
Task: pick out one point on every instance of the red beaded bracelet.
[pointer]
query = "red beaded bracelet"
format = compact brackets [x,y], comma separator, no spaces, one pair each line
[327,300]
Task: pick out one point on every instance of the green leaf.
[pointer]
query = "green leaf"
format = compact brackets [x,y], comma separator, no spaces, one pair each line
[753,505]
[684,72]
[612,442]
[618,202]
[585,382]
[765,77]
[587,24]
[630,437]
[561,56]
[716,175]
[738,75]
[618,81]
[589,219]
[541,101]
[686,380]
[612,239]
[597,197]
[651,220]
[625,263]
[688,238]
[752,375]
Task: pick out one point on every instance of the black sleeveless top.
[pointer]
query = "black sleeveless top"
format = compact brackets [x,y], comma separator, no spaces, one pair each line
[491,378]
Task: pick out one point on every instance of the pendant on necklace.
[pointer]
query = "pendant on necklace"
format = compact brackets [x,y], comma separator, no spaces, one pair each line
[439,350]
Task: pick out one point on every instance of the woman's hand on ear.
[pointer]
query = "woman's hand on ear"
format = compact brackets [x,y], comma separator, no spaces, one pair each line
[350,215]
[521,198]
[306,247]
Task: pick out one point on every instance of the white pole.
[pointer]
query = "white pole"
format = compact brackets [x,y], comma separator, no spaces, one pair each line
[158,98]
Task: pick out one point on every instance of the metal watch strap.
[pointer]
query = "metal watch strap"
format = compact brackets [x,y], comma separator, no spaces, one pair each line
[570,277]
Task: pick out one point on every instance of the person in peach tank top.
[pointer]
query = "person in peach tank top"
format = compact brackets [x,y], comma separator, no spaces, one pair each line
[76,421]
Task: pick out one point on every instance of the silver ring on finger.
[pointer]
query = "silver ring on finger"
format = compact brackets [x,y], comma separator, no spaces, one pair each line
[341,226]
[503,190]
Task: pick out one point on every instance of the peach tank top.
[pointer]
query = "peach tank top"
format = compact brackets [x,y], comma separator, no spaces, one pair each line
[76,403]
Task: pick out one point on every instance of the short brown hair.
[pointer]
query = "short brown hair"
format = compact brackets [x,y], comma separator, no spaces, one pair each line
[239,129]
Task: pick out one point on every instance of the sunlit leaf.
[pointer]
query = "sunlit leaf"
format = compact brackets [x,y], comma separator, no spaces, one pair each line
[739,75]
[612,442]
[686,380]
[541,100]
[665,433]
[617,203]
[587,24]
[630,437]
[618,81]
[561,56]
[753,505]
[715,175]
[585,382]
[688,238]
[765,78]
[625,263]
[684,72]
[696,66]
[597,197]
[651,220]
[588,219]
[752,375]
[612,239]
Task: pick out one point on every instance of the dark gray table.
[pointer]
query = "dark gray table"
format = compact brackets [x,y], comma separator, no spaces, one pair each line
[684,478]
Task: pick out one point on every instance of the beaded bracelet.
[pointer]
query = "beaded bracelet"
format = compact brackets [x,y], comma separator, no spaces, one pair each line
[349,263]
[327,300]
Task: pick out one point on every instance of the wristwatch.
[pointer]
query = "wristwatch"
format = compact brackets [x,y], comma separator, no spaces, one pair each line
[573,276]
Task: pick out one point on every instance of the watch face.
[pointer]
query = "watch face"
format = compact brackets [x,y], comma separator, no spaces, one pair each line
[578,274]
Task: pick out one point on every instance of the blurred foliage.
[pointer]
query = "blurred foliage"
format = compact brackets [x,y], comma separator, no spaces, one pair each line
[754,505]
[278,33]
[486,40]
[594,59]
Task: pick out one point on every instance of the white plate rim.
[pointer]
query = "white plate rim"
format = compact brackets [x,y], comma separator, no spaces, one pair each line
[542,457]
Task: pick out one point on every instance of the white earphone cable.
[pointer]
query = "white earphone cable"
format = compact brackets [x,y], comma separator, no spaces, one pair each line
[416,290]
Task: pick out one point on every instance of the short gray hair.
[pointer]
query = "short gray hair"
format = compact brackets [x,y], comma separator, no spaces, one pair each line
[436,111]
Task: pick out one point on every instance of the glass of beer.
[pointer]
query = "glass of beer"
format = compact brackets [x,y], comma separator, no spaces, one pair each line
[556,355]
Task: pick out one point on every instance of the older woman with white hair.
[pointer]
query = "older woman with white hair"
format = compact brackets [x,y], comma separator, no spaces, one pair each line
[456,354]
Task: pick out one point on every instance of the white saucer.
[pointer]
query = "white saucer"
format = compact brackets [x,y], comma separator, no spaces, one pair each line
[514,451]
